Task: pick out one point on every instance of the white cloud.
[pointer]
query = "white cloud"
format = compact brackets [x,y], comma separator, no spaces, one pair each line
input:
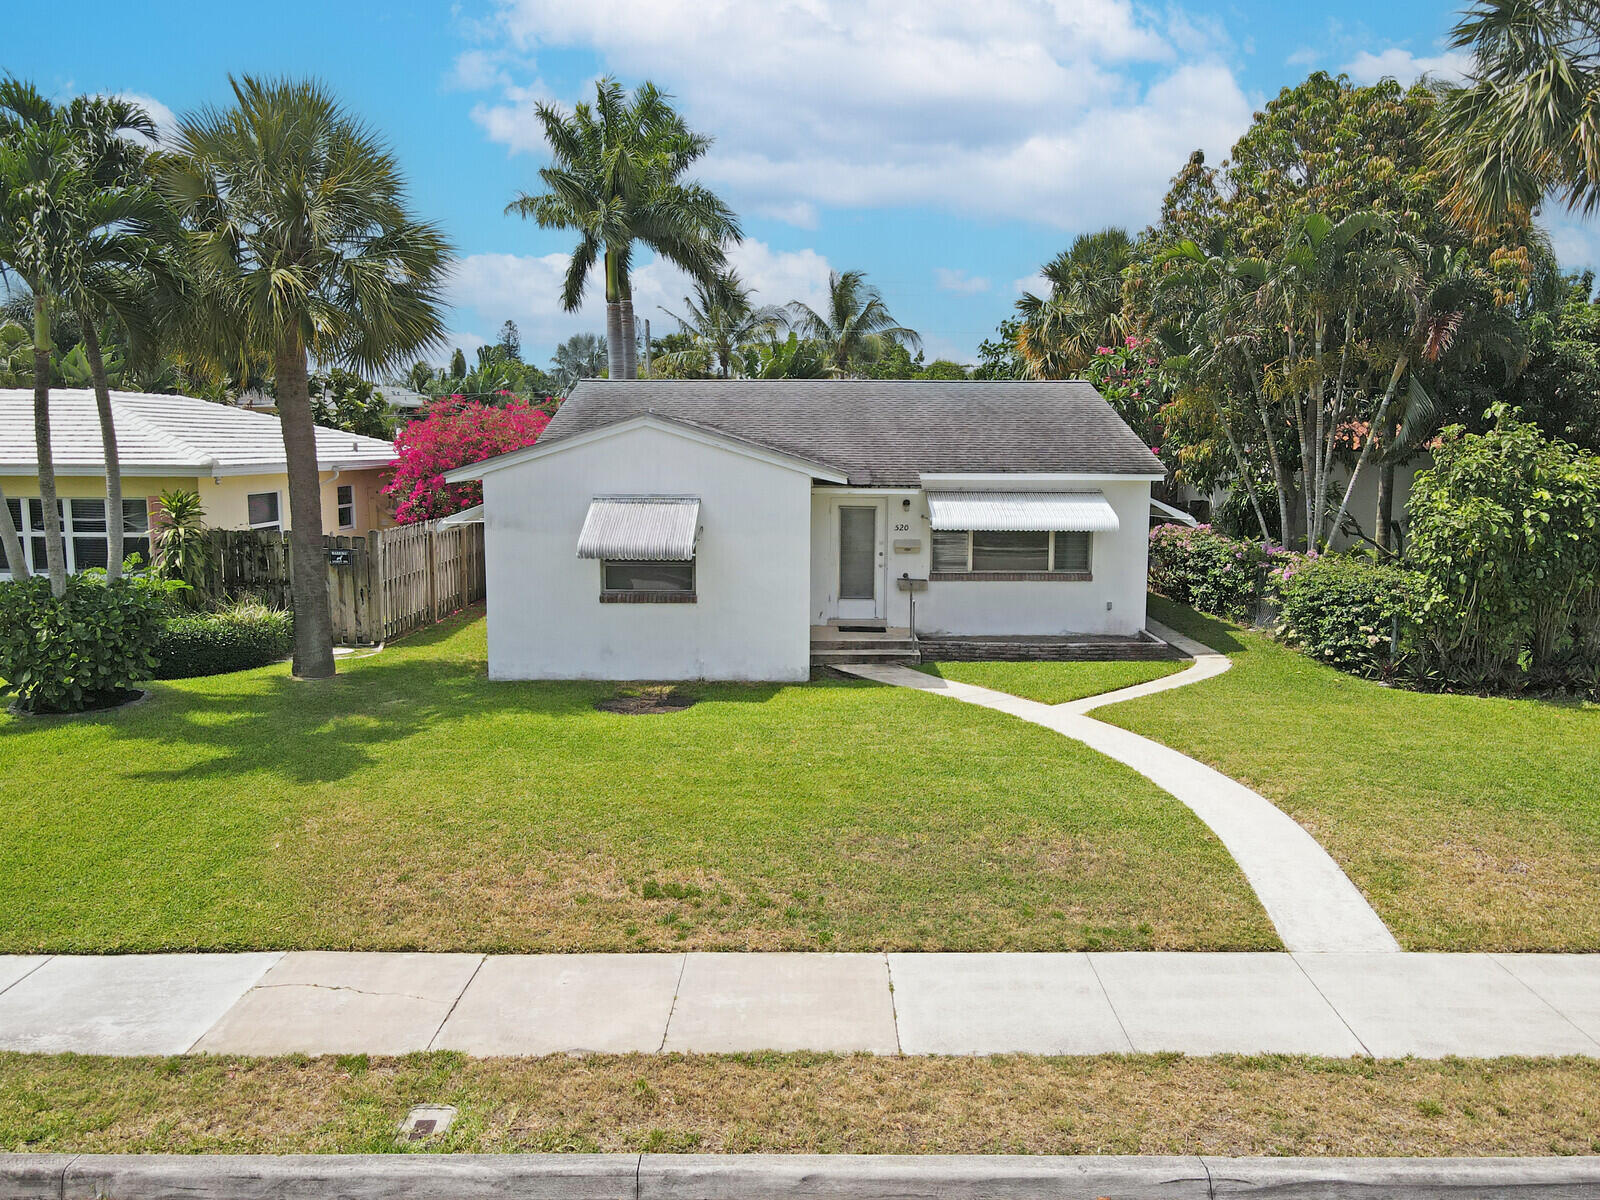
[1405,66]
[948,279]
[1035,283]
[527,289]
[463,340]
[1072,113]
[165,119]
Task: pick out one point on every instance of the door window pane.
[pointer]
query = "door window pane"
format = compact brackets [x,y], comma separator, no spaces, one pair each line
[1072,551]
[1007,550]
[950,549]
[649,576]
[858,549]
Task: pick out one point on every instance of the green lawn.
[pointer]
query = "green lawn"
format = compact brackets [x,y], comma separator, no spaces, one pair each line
[1053,682]
[1470,823]
[412,804]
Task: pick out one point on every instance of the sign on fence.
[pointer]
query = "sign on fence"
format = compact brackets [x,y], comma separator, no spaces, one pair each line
[381,586]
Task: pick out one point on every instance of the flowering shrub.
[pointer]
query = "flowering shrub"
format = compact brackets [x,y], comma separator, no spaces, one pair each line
[454,432]
[1344,611]
[1129,377]
[1211,571]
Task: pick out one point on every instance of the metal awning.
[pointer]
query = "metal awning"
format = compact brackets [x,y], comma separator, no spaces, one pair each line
[1165,512]
[1073,512]
[467,516]
[641,528]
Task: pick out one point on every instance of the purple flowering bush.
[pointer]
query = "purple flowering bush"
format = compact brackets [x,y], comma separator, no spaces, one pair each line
[1211,571]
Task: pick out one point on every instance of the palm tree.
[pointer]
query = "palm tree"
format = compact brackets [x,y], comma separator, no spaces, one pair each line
[1060,332]
[856,327]
[302,244]
[721,320]
[1527,122]
[615,178]
[581,356]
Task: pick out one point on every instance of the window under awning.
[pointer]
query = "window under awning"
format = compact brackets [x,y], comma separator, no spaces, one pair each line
[1071,512]
[640,528]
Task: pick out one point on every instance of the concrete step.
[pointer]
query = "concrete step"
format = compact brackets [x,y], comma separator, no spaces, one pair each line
[896,645]
[833,658]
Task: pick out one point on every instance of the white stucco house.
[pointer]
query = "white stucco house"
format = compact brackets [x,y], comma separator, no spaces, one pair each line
[728,529]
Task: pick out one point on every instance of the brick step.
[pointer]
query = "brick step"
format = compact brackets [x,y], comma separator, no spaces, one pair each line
[834,658]
[897,645]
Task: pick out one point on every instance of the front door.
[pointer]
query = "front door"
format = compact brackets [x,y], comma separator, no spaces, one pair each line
[861,561]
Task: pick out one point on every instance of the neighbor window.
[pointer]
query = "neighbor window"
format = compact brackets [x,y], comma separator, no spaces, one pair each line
[1009,552]
[262,510]
[83,531]
[347,506]
[624,578]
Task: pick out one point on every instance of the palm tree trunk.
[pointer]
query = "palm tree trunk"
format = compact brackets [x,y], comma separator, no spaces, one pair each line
[313,626]
[55,550]
[1385,508]
[1366,449]
[108,445]
[630,344]
[16,561]
[615,368]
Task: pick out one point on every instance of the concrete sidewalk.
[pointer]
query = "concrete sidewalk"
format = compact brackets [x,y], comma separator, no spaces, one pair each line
[1387,1005]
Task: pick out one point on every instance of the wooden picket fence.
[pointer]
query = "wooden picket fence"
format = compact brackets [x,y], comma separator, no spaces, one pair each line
[380,587]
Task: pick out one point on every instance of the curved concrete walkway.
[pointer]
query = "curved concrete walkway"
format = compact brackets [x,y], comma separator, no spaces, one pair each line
[1309,899]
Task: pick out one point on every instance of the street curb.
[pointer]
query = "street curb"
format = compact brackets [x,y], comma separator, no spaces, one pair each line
[789,1177]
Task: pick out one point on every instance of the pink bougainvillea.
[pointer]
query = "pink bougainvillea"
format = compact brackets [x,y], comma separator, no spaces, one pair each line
[453,432]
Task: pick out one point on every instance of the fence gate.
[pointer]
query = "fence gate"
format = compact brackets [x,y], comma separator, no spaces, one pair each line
[389,583]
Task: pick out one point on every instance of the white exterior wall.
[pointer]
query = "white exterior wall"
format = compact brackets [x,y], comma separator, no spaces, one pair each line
[546,620]
[1118,562]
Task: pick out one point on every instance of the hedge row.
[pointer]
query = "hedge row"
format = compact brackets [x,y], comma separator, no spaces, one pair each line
[246,635]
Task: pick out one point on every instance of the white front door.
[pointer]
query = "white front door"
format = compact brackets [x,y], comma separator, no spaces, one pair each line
[859,525]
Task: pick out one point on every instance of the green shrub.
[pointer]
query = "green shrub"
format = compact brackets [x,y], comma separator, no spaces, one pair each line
[84,649]
[1343,610]
[245,635]
[1505,530]
[1209,570]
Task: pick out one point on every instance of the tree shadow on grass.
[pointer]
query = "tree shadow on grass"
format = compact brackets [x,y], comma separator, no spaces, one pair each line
[1215,632]
[323,731]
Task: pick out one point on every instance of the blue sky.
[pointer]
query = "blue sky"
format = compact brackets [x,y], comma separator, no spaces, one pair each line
[947,149]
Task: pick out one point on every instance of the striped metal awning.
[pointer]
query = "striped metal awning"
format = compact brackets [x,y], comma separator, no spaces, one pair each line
[641,528]
[1072,512]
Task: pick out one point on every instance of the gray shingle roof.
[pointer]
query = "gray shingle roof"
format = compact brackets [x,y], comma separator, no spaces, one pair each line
[886,433]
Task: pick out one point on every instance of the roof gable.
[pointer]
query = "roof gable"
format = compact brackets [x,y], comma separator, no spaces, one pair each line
[885,433]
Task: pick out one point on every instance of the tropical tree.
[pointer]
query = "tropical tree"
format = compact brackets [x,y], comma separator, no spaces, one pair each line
[303,244]
[581,356]
[1527,121]
[789,358]
[855,326]
[720,320]
[1084,311]
[616,179]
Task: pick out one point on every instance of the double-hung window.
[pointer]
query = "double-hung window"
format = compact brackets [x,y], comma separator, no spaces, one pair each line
[262,510]
[346,495]
[83,531]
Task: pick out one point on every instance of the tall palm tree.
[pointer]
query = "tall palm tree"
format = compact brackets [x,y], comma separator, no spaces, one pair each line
[856,326]
[1527,121]
[1061,331]
[302,244]
[721,320]
[616,178]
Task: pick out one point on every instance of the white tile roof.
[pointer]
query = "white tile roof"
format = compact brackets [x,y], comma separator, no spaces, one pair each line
[165,435]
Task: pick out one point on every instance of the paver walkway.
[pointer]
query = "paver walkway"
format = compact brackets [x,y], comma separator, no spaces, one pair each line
[1385,1005]
[1308,898]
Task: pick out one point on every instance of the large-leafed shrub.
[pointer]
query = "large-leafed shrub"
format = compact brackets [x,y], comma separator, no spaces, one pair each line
[1505,532]
[84,649]
[247,634]
[1348,612]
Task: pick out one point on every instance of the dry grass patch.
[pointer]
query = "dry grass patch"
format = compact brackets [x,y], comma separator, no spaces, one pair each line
[807,1104]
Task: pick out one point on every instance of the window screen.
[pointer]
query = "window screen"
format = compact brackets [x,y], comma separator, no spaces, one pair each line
[1072,551]
[950,549]
[858,552]
[1005,550]
[263,510]
[621,576]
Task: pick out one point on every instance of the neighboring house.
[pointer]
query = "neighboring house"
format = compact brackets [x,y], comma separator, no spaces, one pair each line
[688,529]
[232,457]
